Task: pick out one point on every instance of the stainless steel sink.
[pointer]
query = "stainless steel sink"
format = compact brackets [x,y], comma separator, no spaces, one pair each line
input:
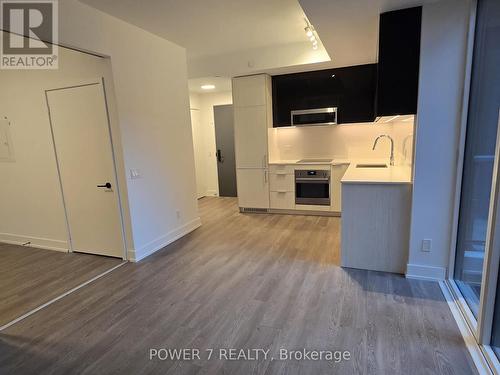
[312,161]
[371,165]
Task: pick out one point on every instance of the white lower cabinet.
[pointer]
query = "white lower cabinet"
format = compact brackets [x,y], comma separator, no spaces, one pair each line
[336,186]
[253,188]
[282,169]
[282,200]
[282,186]
[276,190]
[281,182]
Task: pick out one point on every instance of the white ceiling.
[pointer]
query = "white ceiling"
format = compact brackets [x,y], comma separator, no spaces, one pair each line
[222,84]
[227,38]
[213,27]
[349,28]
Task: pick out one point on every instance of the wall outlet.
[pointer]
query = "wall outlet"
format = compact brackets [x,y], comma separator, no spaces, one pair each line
[426,245]
[178,213]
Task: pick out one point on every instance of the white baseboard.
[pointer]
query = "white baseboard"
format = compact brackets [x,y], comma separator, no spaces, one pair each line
[41,243]
[212,193]
[416,271]
[160,242]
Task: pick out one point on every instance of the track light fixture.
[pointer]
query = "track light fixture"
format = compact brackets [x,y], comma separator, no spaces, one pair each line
[311,34]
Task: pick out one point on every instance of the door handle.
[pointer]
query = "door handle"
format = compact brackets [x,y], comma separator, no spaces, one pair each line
[107,185]
[220,158]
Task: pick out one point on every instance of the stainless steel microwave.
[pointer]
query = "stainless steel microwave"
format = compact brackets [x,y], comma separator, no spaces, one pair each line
[312,117]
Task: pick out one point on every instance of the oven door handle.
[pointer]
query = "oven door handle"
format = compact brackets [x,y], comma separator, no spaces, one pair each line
[312,180]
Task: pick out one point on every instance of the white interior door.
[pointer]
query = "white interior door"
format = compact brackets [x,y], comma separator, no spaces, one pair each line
[82,142]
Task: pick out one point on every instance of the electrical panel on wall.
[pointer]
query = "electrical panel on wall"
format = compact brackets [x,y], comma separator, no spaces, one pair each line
[6,146]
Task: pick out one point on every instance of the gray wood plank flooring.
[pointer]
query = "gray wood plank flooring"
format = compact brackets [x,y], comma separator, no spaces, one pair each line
[242,281]
[30,277]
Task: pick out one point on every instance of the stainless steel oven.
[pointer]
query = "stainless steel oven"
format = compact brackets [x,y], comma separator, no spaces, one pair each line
[312,187]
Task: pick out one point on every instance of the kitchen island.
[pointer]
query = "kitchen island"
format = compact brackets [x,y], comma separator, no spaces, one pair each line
[376,204]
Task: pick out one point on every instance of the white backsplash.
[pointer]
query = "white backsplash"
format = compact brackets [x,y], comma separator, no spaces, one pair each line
[350,141]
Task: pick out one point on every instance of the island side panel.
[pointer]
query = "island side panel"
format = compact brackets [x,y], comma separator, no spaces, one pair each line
[375,226]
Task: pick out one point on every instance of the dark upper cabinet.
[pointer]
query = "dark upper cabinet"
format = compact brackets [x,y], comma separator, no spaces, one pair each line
[398,62]
[350,89]
[361,92]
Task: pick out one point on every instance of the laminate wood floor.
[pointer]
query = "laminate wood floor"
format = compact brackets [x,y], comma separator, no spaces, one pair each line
[30,277]
[242,281]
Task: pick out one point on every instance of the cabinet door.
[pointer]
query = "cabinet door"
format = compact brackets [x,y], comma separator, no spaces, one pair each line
[282,182]
[350,89]
[249,91]
[299,91]
[337,174]
[282,200]
[399,60]
[250,131]
[253,188]
[357,102]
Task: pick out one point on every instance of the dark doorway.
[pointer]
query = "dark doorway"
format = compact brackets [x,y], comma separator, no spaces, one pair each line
[224,139]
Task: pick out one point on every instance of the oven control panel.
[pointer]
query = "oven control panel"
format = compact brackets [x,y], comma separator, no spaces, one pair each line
[312,174]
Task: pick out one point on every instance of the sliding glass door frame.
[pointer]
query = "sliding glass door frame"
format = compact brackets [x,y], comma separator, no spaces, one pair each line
[492,255]
[491,265]
[480,327]
[457,294]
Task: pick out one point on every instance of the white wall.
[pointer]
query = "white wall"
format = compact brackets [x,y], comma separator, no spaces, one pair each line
[208,178]
[150,76]
[30,196]
[442,69]
[150,79]
[353,141]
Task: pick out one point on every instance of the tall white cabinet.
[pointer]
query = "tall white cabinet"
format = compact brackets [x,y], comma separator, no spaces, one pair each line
[252,118]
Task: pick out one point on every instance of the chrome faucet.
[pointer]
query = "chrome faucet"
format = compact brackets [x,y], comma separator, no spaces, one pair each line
[392,145]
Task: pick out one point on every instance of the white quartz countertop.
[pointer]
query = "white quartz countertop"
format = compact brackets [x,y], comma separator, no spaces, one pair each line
[399,174]
[297,162]
[390,175]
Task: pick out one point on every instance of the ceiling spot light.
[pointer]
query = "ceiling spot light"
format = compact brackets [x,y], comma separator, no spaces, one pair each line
[208,87]
[311,34]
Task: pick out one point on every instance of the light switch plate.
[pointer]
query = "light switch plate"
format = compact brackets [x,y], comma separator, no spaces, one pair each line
[135,173]
[426,245]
